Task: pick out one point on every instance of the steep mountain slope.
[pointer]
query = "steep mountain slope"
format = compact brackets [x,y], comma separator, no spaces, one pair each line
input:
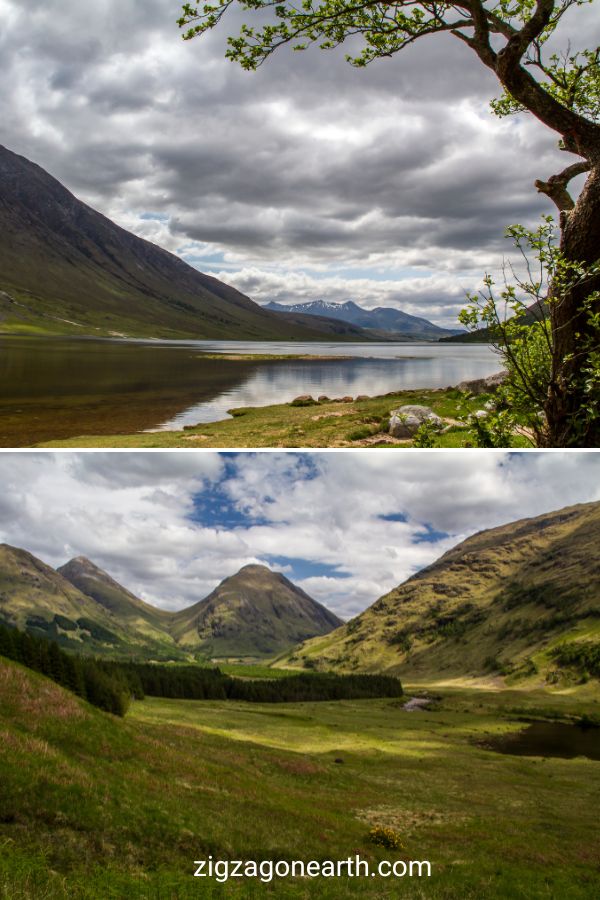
[132,613]
[385,319]
[35,597]
[255,612]
[66,268]
[496,604]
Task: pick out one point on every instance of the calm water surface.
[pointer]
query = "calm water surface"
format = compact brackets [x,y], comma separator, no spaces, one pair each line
[553,739]
[53,388]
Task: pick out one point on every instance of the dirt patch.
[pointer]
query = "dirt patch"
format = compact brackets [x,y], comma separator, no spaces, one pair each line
[455,423]
[382,438]
[408,821]
[299,766]
[333,415]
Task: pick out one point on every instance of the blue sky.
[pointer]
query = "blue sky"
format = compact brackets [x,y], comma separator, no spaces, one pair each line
[346,527]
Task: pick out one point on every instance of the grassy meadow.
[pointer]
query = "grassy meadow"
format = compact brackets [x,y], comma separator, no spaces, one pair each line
[95,807]
[330,423]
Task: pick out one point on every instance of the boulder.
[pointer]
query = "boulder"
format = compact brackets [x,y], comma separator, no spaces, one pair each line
[303,400]
[323,398]
[406,420]
[483,385]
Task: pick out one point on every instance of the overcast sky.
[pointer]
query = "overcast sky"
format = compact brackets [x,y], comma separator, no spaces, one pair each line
[346,527]
[306,180]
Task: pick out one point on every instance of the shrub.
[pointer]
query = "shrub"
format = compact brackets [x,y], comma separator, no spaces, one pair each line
[64,623]
[386,837]
[426,435]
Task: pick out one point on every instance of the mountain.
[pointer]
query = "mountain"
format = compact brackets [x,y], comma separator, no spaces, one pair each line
[133,614]
[497,604]
[35,597]
[384,319]
[65,268]
[255,613]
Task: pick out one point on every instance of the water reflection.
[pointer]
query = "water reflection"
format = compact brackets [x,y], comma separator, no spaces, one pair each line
[550,739]
[54,388]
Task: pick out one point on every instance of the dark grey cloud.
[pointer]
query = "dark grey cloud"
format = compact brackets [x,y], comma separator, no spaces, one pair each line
[307,163]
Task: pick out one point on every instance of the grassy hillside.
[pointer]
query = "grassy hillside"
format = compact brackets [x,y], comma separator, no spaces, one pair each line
[94,807]
[36,598]
[496,605]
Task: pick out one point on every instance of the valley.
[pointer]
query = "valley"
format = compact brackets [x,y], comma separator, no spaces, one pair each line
[483,762]
[94,817]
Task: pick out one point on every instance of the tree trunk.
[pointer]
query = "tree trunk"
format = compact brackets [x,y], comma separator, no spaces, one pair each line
[574,335]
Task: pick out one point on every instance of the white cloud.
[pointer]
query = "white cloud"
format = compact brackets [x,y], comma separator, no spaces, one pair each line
[131,513]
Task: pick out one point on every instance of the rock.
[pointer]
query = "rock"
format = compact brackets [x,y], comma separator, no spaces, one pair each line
[363,397]
[343,400]
[323,399]
[481,414]
[406,420]
[303,400]
[483,385]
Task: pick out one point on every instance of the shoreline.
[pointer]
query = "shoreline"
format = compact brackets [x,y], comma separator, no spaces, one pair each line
[341,422]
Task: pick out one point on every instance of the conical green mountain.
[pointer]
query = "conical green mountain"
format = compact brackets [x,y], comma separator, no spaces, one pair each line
[498,604]
[255,612]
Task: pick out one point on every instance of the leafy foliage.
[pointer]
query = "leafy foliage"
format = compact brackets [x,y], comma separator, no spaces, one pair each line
[573,79]
[426,435]
[518,319]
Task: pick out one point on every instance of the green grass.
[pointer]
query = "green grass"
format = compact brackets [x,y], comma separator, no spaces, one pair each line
[252,670]
[328,424]
[92,807]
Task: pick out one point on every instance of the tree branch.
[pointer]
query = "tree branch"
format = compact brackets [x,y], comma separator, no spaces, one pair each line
[556,186]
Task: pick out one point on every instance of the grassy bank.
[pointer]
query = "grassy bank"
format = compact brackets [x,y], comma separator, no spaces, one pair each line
[94,807]
[331,423]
